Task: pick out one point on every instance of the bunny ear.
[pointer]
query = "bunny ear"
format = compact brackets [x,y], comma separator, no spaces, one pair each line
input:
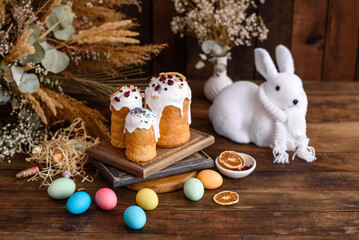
[264,63]
[284,59]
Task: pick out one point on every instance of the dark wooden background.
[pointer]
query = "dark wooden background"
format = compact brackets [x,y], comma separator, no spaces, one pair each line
[322,34]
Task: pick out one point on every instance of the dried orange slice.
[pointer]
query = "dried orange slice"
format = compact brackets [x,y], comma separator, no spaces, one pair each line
[231,160]
[226,198]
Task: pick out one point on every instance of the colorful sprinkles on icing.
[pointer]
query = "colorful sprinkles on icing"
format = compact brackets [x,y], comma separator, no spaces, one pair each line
[140,111]
[141,118]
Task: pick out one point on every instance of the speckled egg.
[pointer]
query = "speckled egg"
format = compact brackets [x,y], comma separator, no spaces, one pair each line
[78,202]
[147,199]
[193,189]
[106,199]
[61,188]
[134,217]
[210,179]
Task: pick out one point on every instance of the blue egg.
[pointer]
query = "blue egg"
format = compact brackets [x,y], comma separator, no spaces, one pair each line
[78,202]
[135,217]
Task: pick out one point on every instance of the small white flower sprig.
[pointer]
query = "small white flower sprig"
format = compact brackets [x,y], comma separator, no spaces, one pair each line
[224,21]
[219,25]
[25,125]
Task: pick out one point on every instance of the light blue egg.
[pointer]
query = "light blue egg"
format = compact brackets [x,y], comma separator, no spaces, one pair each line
[78,202]
[135,217]
[193,189]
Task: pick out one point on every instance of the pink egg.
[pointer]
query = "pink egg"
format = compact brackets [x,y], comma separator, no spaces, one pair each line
[106,199]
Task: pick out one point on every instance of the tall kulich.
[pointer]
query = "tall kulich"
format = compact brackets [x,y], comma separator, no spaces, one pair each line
[174,128]
[169,96]
[123,100]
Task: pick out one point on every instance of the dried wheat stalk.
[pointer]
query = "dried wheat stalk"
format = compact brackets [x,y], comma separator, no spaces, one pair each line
[98,15]
[73,109]
[85,35]
[2,11]
[21,48]
[51,103]
[35,104]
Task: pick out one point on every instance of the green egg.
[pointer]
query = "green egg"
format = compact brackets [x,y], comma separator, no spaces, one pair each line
[61,188]
[193,189]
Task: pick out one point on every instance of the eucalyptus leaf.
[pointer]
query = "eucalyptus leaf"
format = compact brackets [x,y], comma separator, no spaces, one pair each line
[36,120]
[56,14]
[5,95]
[35,57]
[203,56]
[34,36]
[29,83]
[17,73]
[200,65]
[2,67]
[46,46]
[65,34]
[218,50]
[214,48]
[207,46]
[55,61]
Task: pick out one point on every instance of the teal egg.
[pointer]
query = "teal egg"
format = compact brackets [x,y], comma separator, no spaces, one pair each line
[61,188]
[135,217]
[193,189]
[78,202]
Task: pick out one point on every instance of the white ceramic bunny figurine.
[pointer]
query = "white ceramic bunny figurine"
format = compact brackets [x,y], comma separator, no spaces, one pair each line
[269,115]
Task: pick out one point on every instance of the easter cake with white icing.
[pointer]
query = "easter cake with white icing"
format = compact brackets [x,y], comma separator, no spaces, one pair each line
[169,97]
[141,133]
[123,100]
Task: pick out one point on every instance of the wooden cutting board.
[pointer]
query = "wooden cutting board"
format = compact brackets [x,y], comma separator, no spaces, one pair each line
[164,185]
[115,157]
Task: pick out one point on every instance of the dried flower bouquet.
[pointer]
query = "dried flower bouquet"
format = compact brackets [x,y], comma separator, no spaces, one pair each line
[47,46]
[219,25]
[224,21]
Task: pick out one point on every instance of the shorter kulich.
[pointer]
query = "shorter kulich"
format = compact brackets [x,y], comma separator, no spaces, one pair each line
[141,133]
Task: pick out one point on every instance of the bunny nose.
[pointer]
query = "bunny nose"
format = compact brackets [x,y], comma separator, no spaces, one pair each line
[295,101]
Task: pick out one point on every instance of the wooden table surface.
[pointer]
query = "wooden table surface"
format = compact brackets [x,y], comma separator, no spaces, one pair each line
[298,200]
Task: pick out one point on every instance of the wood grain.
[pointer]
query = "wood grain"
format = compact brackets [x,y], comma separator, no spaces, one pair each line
[261,180]
[190,222]
[308,33]
[164,185]
[341,45]
[86,236]
[144,21]
[172,58]
[259,201]
[278,17]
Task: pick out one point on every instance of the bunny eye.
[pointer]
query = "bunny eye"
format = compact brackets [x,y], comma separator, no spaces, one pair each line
[277,88]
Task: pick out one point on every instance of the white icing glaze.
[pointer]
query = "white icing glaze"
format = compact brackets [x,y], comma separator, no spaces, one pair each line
[141,118]
[119,99]
[160,94]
